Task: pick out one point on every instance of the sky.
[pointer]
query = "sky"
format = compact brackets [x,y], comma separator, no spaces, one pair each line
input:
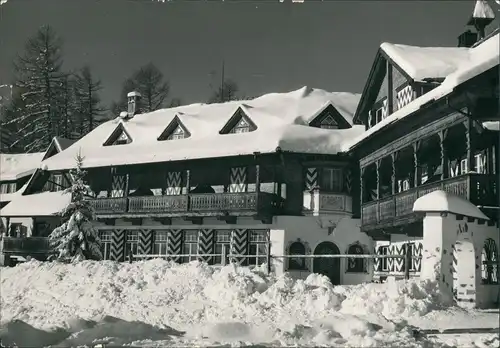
[267,46]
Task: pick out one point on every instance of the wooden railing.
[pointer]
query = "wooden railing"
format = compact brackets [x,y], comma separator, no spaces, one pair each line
[480,189]
[110,205]
[335,202]
[192,203]
[26,246]
[157,204]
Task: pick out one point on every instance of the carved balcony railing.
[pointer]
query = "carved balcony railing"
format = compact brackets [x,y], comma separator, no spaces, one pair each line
[317,202]
[203,203]
[157,204]
[109,205]
[26,246]
[480,189]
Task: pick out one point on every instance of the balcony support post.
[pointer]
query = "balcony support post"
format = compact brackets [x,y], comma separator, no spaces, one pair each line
[470,143]
[394,157]
[416,164]
[7,227]
[257,178]
[444,154]
[378,190]
[188,181]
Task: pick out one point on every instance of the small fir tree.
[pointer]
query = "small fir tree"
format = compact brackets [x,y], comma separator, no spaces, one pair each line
[77,239]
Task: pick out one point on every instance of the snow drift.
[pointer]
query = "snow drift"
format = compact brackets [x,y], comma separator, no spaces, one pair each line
[195,304]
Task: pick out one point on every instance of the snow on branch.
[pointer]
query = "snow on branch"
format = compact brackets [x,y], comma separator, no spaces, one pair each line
[77,239]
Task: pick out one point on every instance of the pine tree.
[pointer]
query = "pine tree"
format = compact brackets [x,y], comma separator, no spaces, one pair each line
[66,108]
[77,239]
[39,76]
[89,113]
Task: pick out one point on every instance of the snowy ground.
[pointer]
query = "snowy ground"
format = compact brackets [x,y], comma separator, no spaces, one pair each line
[156,303]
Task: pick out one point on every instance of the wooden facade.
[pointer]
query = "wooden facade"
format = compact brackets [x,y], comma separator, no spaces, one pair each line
[441,146]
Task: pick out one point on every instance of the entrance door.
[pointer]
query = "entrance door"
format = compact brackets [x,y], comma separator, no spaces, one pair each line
[327,266]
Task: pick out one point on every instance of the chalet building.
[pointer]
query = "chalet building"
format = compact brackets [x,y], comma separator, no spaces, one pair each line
[205,181]
[409,168]
[431,119]
[15,173]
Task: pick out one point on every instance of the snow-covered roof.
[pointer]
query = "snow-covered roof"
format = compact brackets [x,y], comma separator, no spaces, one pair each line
[441,201]
[15,166]
[480,59]
[38,204]
[492,125]
[426,62]
[7,197]
[282,121]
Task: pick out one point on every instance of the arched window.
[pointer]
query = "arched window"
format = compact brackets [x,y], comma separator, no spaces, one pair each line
[489,262]
[355,265]
[297,263]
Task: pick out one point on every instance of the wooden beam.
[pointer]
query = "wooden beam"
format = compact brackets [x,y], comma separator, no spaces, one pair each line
[163,220]
[195,220]
[109,222]
[421,133]
[228,219]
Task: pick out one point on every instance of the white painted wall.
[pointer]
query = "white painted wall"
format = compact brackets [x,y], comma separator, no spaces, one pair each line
[313,230]
[442,234]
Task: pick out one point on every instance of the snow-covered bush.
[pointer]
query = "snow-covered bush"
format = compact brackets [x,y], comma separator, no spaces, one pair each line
[77,239]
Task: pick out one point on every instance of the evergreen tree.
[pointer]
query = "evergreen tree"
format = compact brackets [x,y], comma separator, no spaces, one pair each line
[66,109]
[149,81]
[77,239]
[89,113]
[39,78]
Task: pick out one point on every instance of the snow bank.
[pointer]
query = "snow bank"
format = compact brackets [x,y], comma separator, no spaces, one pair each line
[212,306]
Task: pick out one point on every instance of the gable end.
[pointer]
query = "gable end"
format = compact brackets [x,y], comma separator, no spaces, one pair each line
[371,89]
[175,130]
[329,118]
[118,137]
[238,123]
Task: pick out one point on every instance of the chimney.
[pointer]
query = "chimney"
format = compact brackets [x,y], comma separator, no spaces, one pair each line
[481,17]
[467,39]
[133,103]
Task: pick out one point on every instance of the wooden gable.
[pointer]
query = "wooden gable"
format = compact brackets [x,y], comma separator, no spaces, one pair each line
[51,151]
[238,123]
[329,118]
[175,130]
[388,86]
[118,137]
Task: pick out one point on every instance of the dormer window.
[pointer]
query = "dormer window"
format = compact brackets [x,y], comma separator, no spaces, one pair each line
[238,123]
[241,127]
[118,137]
[122,139]
[328,123]
[178,133]
[175,131]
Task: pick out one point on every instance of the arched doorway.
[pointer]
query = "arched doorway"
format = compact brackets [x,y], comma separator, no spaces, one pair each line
[327,266]
[464,277]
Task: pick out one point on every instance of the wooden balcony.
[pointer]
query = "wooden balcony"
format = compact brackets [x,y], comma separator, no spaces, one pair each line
[397,210]
[110,205]
[247,203]
[318,202]
[38,247]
